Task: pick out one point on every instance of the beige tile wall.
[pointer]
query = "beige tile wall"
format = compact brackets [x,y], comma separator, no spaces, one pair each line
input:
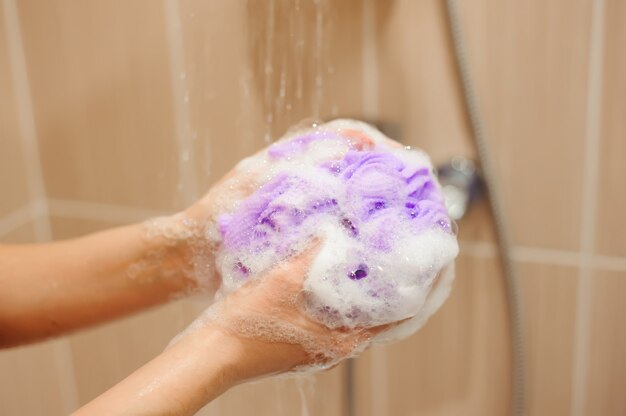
[532,63]
[12,168]
[139,106]
[102,100]
[550,314]
[607,367]
[612,198]
[457,364]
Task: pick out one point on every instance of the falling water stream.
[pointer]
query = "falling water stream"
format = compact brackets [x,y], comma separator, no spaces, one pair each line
[268,68]
[289,50]
[282,82]
[306,385]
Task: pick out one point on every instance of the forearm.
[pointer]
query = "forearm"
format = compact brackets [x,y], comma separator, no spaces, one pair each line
[48,289]
[256,331]
[179,381]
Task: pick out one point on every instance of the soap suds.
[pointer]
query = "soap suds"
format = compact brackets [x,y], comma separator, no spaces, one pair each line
[375,205]
[386,243]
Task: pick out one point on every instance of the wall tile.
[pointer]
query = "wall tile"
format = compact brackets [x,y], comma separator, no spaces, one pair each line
[321,394]
[223,114]
[250,90]
[21,235]
[611,196]
[417,88]
[63,228]
[530,61]
[313,51]
[607,361]
[106,115]
[102,101]
[115,350]
[29,384]
[418,92]
[530,65]
[457,364]
[550,317]
[12,169]
[453,365]
[477,224]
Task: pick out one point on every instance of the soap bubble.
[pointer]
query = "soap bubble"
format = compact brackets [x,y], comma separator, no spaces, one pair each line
[375,205]
[386,244]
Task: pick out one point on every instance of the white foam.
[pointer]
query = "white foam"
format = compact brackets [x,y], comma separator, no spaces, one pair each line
[405,274]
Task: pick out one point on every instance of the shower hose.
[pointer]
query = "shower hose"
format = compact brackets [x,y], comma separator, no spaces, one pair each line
[494,195]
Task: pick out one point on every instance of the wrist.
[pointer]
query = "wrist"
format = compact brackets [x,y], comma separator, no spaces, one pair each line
[216,354]
[179,381]
[249,358]
[176,250]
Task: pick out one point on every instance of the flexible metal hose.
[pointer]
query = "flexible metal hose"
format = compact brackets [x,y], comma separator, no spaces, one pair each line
[518,394]
[495,202]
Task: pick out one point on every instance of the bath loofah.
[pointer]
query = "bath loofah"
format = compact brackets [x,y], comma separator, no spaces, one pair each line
[378,211]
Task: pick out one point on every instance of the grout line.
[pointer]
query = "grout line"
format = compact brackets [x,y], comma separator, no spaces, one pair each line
[369,67]
[478,248]
[36,186]
[584,294]
[547,256]
[100,212]
[185,137]
[26,121]
[369,63]
[378,378]
[16,219]
[525,254]
[482,249]
[610,263]
[187,185]
[64,363]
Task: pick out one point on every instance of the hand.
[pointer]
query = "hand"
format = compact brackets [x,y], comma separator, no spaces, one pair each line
[268,309]
[258,330]
[250,172]
[273,332]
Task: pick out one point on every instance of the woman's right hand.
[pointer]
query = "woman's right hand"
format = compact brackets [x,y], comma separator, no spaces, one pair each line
[267,319]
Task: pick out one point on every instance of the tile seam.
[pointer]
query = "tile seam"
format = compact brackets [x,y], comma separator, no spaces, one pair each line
[30,147]
[187,184]
[16,219]
[584,295]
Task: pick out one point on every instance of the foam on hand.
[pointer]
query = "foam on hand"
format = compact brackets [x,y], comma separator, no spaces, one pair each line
[378,211]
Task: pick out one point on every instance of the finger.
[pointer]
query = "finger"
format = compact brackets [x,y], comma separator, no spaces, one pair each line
[297,267]
[375,330]
[311,250]
[291,273]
